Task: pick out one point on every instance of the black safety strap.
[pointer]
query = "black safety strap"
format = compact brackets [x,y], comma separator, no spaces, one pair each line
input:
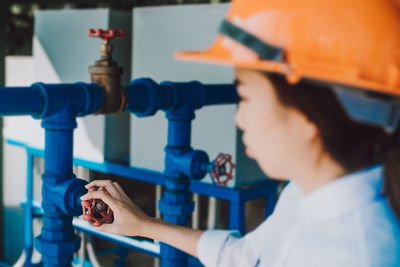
[263,50]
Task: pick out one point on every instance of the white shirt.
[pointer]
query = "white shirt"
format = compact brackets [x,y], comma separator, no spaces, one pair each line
[347,222]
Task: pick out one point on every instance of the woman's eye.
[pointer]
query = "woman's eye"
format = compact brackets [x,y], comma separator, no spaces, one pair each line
[236,83]
[242,100]
[243,97]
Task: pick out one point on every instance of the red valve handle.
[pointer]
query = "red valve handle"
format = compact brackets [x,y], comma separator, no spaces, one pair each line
[222,166]
[106,35]
[96,211]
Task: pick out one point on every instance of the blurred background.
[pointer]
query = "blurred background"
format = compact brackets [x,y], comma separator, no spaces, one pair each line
[32,50]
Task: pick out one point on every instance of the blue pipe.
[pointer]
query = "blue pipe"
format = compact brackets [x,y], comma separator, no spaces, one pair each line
[20,101]
[266,189]
[58,105]
[28,212]
[40,100]
[217,94]
[146,97]
[74,100]
[261,189]
[176,204]
[61,190]
[182,163]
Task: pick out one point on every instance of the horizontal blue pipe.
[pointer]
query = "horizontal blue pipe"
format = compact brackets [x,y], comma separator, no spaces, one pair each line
[199,94]
[43,100]
[217,94]
[20,101]
[236,197]
[152,177]
[78,99]
[128,242]
[146,97]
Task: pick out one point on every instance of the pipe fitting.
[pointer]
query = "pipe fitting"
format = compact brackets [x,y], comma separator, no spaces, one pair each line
[57,254]
[192,164]
[79,98]
[168,209]
[65,194]
[146,97]
[107,74]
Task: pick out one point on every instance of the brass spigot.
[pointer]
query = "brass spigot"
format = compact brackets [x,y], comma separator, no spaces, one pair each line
[107,74]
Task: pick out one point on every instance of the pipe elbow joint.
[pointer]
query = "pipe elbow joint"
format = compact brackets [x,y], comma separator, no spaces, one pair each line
[192,164]
[79,99]
[65,194]
[187,95]
[146,97]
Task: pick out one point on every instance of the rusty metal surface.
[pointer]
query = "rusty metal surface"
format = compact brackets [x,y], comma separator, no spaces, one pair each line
[107,74]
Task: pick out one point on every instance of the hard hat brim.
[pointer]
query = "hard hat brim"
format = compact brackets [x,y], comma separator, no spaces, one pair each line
[221,55]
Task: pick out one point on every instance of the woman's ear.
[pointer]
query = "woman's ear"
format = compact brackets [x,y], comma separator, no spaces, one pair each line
[304,127]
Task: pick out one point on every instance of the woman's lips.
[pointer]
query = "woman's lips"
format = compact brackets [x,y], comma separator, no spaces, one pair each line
[249,152]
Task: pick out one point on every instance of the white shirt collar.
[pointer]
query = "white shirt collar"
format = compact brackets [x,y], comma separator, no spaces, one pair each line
[342,195]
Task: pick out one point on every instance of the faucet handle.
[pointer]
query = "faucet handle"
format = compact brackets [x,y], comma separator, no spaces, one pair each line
[96,211]
[222,166]
[106,35]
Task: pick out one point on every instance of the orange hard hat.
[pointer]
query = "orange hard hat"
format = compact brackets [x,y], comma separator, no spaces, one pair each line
[354,43]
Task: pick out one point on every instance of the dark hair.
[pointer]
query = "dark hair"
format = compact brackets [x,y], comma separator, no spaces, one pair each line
[353,145]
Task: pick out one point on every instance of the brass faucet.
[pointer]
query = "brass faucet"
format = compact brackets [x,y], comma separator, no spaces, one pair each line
[107,74]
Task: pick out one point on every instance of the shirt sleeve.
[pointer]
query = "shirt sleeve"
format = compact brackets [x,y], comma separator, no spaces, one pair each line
[224,248]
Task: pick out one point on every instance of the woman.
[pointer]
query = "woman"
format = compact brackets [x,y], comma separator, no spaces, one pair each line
[291,58]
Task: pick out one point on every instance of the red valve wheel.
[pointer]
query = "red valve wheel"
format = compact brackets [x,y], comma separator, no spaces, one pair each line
[106,35]
[222,166]
[96,211]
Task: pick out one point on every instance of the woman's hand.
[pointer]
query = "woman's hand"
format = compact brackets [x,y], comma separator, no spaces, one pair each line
[128,218]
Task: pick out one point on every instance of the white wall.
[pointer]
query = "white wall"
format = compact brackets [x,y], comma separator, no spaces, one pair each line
[158,33]
[19,72]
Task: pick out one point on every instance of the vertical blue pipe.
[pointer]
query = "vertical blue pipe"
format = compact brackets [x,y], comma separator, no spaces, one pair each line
[57,227]
[28,216]
[61,190]
[57,241]
[58,105]
[179,134]
[58,153]
[179,100]
[176,204]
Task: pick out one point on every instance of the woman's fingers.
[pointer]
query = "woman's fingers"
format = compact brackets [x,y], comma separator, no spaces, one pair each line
[100,194]
[119,188]
[108,185]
